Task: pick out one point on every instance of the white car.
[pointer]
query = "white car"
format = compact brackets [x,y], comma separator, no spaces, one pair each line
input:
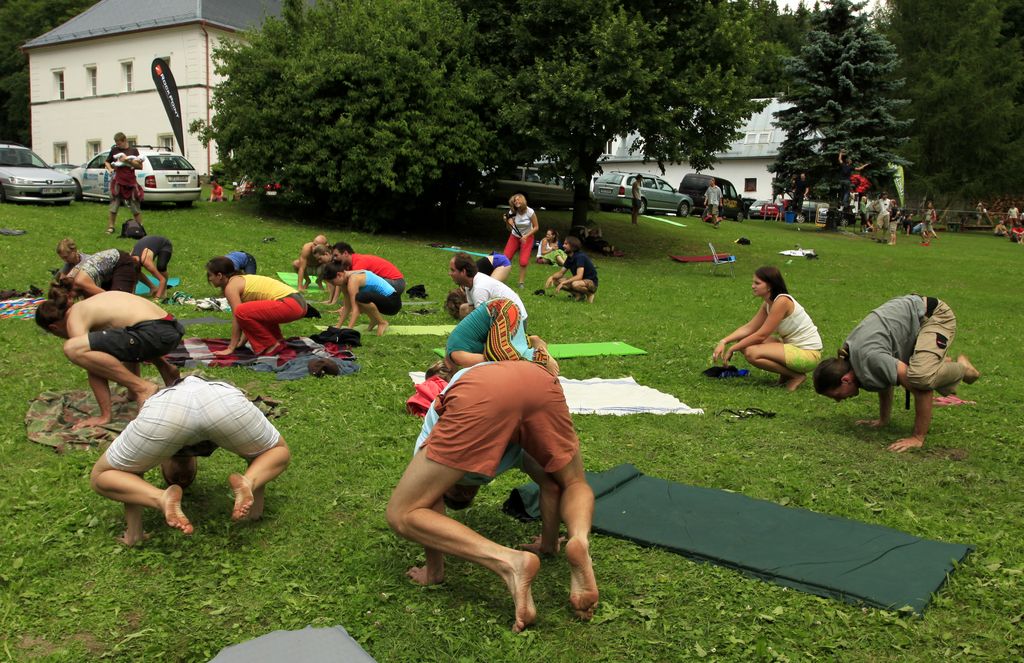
[24,177]
[165,177]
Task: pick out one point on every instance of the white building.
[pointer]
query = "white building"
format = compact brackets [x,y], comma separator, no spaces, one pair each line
[745,163]
[90,77]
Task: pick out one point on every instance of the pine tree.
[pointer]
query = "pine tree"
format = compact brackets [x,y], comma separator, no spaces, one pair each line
[844,96]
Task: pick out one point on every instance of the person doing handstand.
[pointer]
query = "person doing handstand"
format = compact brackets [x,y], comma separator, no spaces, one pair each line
[478,416]
[108,335]
[902,342]
[363,292]
[178,416]
[797,348]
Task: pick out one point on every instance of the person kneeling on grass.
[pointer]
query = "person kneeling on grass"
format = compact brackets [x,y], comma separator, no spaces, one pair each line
[259,305]
[477,417]
[363,292]
[902,342]
[175,417]
[108,335]
[581,282]
[795,352]
[495,331]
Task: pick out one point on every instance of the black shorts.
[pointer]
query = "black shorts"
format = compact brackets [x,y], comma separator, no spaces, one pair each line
[124,275]
[389,305]
[145,341]
[163,258]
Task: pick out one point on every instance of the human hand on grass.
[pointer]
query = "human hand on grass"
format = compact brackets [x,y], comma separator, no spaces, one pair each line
[421,576]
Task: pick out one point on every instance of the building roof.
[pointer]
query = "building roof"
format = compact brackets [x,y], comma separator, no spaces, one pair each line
[111,17]
[761,138]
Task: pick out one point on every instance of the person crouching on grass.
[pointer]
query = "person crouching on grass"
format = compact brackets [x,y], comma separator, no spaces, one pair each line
[363,292]
[581,281]
[259,305]
[477,418]
[175,417]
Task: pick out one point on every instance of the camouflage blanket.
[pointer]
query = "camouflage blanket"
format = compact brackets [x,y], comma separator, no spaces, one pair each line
[51,415]
[23,308]
[194,352]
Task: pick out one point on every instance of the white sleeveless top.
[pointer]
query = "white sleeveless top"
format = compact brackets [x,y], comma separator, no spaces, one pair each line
[523,223]
[797,328]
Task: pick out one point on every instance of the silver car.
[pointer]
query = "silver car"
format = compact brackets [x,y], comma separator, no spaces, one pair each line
[24,177]
[165,177]
[615,189]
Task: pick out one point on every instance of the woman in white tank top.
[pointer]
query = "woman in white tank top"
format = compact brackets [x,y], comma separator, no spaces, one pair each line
[780,338]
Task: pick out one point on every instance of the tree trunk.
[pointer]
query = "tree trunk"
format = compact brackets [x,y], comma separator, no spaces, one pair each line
[580,202]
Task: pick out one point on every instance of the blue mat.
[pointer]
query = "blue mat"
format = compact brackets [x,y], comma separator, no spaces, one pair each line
[142,289]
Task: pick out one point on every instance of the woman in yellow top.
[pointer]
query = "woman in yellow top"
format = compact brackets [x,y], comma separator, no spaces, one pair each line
[259,304]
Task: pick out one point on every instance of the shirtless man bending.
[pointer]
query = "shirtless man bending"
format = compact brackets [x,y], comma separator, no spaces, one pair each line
[306,265]
[108,335]
[478,417]
[190,411]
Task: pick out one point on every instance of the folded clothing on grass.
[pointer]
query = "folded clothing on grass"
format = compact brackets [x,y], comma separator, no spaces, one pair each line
[618,396]
[192,352]
[22,308]
[812,552]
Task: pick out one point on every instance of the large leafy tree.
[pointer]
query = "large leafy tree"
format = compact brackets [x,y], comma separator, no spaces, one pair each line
[964,82]
[364,108]
[845,96]
[780,31]
[21,21]
[578,73]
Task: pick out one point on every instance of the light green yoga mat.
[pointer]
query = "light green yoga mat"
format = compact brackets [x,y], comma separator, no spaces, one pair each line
[292,279]
[813,552]
[570,350]
[409,330]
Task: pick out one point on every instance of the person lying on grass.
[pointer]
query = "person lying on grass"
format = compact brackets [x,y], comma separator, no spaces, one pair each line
[477,416]
[108,335]
[902,342]
[581,281]
[780,338]
[259,306]
[363,292]
[175,417]
[495,331]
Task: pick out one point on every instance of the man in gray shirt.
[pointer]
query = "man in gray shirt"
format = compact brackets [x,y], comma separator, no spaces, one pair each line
[712,200]
[902,342]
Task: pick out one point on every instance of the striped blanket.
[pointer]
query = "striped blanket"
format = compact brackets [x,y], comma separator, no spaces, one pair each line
[192,352]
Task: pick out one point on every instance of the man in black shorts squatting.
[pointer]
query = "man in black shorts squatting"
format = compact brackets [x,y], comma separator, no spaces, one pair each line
[108,335]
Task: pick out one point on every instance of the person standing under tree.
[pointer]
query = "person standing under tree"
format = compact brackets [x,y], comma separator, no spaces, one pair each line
[638,180]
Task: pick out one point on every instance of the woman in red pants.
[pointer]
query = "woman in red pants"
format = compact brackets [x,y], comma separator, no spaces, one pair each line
[522,224]
[259,305]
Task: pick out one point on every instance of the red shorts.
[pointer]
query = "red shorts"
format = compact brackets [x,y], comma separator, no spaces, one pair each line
[494,405]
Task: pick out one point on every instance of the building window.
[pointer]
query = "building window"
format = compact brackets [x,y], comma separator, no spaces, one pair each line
[750,184]
[90,81]
[610,147]
[127,76]
[92,148]
[58,84]
[764,137]
[165,140]
[60,152]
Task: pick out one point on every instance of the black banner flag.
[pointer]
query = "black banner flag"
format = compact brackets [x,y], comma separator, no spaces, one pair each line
[168,91]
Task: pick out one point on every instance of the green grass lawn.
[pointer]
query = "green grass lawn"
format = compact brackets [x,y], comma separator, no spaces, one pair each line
[324,555]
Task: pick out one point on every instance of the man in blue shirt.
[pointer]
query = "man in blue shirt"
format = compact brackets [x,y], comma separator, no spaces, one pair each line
[581,281]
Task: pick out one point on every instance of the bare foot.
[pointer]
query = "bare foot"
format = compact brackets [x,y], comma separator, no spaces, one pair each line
[583,584]
[382,327]
[242,488]
[142,396]
[590,298]
[170,504]
[371,325]
[91,421]
[524,568]
[131,539]
[971,374]
[793,383]
[537,548]
[419,575]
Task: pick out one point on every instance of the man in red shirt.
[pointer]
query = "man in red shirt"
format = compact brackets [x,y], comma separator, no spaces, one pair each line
[344,253]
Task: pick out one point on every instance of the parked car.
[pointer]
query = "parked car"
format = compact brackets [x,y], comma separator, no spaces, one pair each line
[548,192]
[165,177]
[694,185]
[24,177]
[759,207]
[615,189]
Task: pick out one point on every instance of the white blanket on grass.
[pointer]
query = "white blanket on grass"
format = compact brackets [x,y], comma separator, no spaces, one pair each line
[619,396]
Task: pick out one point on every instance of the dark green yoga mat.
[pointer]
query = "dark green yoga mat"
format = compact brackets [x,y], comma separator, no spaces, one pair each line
[813,552]
[570,350]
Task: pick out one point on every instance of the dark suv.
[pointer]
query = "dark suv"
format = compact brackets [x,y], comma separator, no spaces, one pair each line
[694,185]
